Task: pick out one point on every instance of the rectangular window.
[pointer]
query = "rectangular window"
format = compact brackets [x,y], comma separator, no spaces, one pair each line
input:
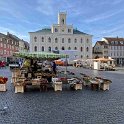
[4,45]
[1,51]
[4,51]
[62,40]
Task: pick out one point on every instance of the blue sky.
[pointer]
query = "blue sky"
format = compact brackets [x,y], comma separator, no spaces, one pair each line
[97,17]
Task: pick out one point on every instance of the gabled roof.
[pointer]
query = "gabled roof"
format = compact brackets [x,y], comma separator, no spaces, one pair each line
[13,36]
[44,30]
[100,43]
[75,31]
[113,39]
[2,35]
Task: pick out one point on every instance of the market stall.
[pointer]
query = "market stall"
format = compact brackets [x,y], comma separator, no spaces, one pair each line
[3,83]
[103,63]
[32,73]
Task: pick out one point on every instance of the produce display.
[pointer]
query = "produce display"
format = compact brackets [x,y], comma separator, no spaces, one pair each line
[3,80]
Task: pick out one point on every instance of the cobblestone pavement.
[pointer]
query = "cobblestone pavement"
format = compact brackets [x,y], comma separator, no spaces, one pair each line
[66,107]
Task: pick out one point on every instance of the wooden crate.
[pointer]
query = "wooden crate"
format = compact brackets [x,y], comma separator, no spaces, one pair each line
[57,86]
[3,87]
[19,89]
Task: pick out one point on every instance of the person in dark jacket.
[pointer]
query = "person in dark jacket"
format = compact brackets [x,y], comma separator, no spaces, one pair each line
[54,67]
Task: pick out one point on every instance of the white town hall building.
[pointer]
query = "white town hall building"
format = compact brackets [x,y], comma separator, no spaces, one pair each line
[61,37]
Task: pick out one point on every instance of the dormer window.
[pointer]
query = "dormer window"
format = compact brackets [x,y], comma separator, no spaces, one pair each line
[116,42]
[112,42]
[62,30]
[121,42]
[56,30]
[69,30]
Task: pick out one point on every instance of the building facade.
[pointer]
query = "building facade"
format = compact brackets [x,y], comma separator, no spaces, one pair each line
[110,47]
[116,49]
[100,50]
[10,43]
[61,37]
[7,45]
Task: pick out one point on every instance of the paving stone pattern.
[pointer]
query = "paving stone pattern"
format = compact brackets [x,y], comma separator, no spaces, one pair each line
[66,107]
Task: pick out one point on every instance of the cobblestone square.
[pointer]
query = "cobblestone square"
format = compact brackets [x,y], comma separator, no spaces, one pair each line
[66,107]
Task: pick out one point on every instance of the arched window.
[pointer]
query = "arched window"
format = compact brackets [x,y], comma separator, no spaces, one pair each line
[81,40]
[63,21]
[35,48]
[87,49]
[42,39]
[69,40]
[42,48]
[56,40]
[49,49]
[69,48]
[75,40]
[35,39]
[81,56]
[56,30]
[69,30]
[87,40]
[63,48]
[81,49]
[87,56]
[49,39]
[75,48]
[56,48]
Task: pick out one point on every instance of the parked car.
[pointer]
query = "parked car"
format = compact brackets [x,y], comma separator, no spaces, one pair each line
[14,65]
[2,63]
[60,62]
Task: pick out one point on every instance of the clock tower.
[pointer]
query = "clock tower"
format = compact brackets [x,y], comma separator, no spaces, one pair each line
[62,18]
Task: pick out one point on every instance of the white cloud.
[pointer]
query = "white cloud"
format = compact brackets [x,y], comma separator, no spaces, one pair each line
[4,30]
[50,7]
[117,1]
[113,32]
[105,15]
[45,7]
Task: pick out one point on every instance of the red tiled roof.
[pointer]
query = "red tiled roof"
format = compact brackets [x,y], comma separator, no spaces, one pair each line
[115,41]
[102,42]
